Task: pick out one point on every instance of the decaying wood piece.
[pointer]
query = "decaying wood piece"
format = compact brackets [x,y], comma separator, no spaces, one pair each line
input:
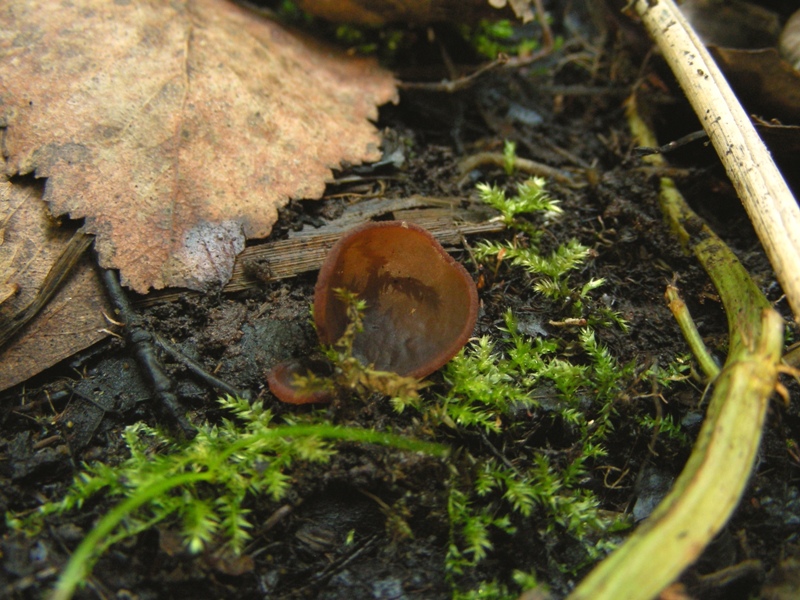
[770,204]
[305,250]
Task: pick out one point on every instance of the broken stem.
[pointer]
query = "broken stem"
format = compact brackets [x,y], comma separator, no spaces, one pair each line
[767,199]
[690,332]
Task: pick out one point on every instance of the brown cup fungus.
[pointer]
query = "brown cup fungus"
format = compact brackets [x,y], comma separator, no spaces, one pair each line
[421,305]
[281,384]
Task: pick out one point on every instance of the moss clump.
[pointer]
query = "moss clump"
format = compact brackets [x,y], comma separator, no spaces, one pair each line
[529,420]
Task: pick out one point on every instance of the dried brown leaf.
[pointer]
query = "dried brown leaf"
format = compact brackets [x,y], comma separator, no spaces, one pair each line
[7,290]
[765,82]
[176,129]
[73,319]
[7,253]
[789,42]
[415,12]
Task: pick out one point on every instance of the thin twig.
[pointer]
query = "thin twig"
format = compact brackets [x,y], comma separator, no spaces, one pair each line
[141,341]
[337,566]
[455,85]
[673,145]
[525,165]
[198,370]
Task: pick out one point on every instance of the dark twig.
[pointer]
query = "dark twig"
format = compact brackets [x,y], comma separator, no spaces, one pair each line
[673,145]
[198,370]
[337,566]
[547,40]
[451,86]
[141,341]
[56,276]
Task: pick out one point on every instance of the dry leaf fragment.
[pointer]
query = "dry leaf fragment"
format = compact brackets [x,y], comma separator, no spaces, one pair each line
[766,84]
[73,320]
[176,129]
[7,254]
[789,42]
[733,23]
[415,12]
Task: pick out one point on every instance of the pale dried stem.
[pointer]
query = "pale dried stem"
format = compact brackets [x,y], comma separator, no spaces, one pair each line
[767,199]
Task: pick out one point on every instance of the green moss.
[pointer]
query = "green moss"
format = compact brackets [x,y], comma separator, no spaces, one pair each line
[491,38]
[509,157]
[200,485]
[490,385]
[350,374]
[506,385]
[498,399]
[551,270]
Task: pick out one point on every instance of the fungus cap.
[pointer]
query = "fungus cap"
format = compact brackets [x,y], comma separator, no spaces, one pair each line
[281,384]
[421,304]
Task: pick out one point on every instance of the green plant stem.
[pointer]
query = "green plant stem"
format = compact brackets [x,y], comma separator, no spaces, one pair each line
[707,490]
[87,552]
[350,434]
[81,561]
[710,486]
[690,332]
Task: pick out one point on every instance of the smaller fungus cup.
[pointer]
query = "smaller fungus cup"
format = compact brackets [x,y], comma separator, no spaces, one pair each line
[281,383]
[421,305]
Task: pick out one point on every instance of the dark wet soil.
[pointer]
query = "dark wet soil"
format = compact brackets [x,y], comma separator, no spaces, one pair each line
[330,538]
